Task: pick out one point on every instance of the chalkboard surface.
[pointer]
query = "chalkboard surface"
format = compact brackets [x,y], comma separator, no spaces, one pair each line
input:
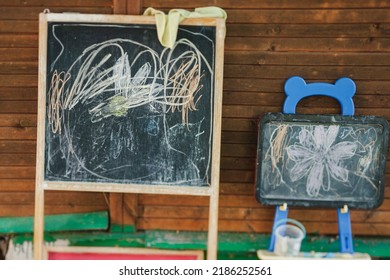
[120,108]
[327,161]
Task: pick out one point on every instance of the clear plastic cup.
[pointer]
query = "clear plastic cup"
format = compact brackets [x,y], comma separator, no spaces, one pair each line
[288,238]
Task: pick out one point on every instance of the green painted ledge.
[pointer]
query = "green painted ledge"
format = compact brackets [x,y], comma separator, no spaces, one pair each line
[92,229]
[63,222]
[121,228]
[243,242]
[239,246]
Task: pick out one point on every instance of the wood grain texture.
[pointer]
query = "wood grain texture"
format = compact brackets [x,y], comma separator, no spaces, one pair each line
[295,58]
[267,42]
[130,209]
[116,209]
[119,6]
[309,16]
[27,209]
[18,108]
[316,30]
[268,4]
[45,3]
[260,226]
[123,210]
[32,12]
[134,7]
[266,213]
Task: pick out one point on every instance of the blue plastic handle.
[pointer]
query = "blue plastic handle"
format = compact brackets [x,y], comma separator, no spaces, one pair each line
[342,90]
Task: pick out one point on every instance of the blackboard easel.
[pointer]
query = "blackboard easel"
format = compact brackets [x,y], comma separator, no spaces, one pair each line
[321,160]
[158,111]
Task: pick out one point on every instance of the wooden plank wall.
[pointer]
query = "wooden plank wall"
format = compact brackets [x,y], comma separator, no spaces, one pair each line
[267,42]
[18,108]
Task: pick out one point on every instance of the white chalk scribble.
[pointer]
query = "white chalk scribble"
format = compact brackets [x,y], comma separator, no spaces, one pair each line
[174,83]
[109,100]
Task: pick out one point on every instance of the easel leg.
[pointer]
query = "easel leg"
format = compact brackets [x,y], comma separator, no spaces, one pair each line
[212,240]
[345,230]
[39,223]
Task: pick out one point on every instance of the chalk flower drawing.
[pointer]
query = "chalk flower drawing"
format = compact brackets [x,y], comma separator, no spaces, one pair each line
[317,157]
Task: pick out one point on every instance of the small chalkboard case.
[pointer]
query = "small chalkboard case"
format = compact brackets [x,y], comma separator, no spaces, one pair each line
[321,160]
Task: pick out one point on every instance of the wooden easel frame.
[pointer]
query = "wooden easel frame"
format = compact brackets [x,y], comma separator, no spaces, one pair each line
[42,185]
